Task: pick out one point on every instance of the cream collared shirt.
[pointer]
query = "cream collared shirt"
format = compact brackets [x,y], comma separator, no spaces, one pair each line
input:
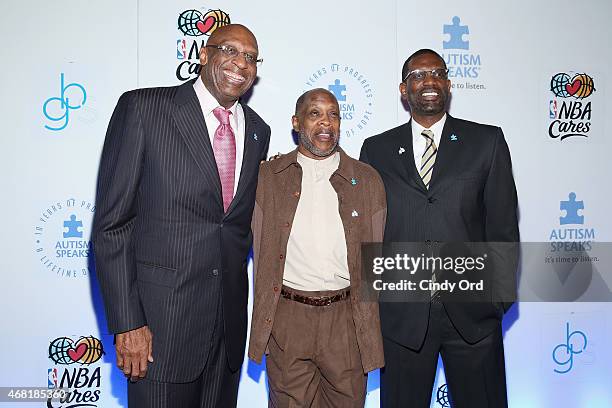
[316,251]
[419,142]
[208,103]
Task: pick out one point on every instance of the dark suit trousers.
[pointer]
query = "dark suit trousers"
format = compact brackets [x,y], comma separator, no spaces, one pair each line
[217,385]
[475,373]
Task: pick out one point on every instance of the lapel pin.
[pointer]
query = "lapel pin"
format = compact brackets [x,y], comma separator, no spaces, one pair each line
[454,137]
[254,136]
[401,150]
[354,181]
[354,213]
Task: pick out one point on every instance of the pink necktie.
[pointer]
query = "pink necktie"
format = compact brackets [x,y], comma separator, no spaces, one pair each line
[224,148]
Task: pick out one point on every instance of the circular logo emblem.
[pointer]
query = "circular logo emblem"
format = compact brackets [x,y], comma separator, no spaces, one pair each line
[62,237]
[353,91]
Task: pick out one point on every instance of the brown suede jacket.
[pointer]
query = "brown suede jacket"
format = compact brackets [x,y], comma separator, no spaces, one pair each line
[362,207]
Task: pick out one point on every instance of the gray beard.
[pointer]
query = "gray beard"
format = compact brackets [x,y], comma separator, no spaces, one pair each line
[305,141]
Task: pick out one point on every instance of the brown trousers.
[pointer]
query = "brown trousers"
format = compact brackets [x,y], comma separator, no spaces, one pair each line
[314,360]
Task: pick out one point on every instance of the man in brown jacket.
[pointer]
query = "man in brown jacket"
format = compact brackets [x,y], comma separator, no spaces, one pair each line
[314,208]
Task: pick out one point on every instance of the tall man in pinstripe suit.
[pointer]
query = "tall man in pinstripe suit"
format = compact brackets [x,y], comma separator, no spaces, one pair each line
[175,196]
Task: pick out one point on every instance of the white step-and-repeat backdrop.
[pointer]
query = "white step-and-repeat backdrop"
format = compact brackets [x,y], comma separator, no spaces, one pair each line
[540,70]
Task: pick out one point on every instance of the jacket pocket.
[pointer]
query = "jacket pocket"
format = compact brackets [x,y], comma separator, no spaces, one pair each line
[156,274]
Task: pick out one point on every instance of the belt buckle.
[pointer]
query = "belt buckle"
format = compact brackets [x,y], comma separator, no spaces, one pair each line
[326,301]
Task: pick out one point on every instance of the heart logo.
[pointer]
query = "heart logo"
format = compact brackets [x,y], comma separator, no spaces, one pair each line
[206,25]
[574,87]
[76,353]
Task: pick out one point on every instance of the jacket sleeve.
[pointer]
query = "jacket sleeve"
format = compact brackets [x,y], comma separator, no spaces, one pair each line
[257,220]
[363,154]
[379,208]
[500,199]
[115,216]
[501,223]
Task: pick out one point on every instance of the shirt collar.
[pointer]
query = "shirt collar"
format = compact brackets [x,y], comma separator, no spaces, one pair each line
[330,162]
[207,100]
[436,128]
[345,167]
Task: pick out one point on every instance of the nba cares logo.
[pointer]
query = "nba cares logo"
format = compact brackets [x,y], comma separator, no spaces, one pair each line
[83,351]
[194,23]
[570,109]
[579,86]
[191,24]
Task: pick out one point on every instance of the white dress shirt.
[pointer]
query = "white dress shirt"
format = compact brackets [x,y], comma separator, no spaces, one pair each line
[316,251]
[418,141]
[208,103]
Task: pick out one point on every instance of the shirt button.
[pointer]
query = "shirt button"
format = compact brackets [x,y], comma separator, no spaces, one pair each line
[215,272]
[431,200]
[296,194]
[276,288]
[268,320]
[287,224]
[281,256]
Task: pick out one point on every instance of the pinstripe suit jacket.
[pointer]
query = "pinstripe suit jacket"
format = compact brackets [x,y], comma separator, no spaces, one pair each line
[166,253]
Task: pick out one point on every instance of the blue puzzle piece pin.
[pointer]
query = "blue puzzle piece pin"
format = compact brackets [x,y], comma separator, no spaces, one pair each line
[354,181]
[454,137]
[254,136]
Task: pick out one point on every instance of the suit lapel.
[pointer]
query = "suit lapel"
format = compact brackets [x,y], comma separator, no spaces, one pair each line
[448,153]
[192,127]
[250,155]
[407,158]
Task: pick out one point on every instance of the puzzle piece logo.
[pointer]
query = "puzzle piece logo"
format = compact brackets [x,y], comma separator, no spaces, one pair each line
[61,234]
[353,91]
[73,225]
[571,208]
[456,31]
[338,89]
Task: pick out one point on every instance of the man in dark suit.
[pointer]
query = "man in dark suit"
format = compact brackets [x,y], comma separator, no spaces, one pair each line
[171,232]
[447,180]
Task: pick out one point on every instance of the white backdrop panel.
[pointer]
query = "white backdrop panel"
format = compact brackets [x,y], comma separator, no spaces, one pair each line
[502,57]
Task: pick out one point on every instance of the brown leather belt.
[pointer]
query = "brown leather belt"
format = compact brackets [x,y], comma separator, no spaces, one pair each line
[315,300]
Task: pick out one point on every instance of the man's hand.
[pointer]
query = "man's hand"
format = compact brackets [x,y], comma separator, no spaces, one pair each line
[134,350]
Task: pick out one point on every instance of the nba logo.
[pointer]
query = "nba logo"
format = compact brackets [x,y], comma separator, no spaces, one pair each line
[52,378]
[181,49]
[552,109]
